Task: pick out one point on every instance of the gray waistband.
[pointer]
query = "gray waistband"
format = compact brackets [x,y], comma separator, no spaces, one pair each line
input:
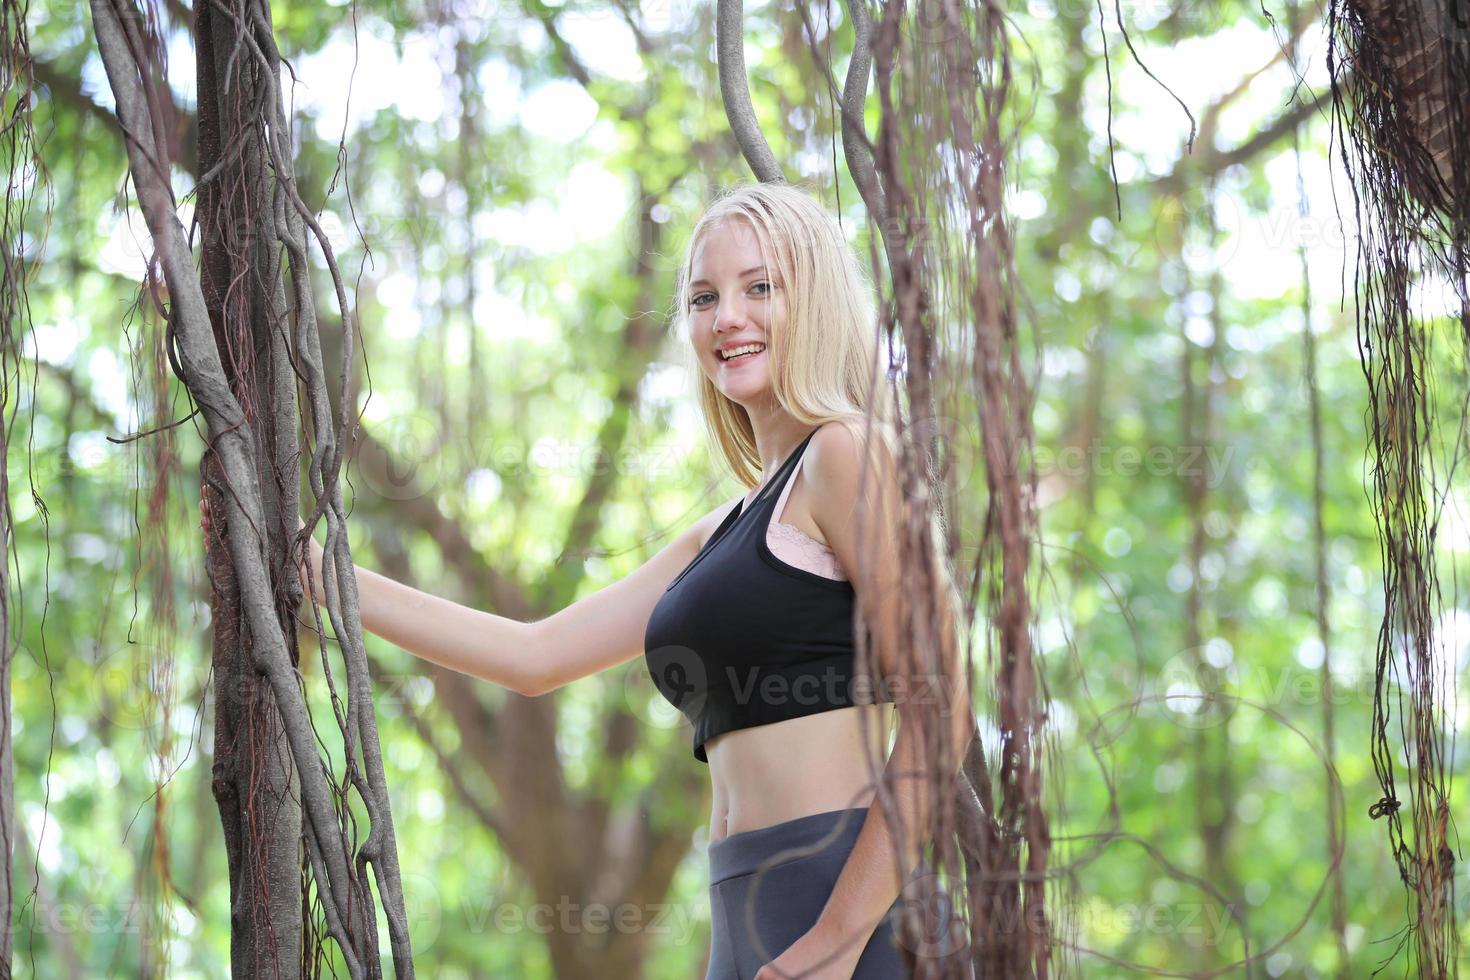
[750,850]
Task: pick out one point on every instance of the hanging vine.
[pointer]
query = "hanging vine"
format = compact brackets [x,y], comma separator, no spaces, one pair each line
[1399,71]
[26,183]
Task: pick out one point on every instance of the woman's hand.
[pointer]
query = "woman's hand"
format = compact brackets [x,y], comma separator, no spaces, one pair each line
[312,551]
[815,956]
[312,546]
[204,518]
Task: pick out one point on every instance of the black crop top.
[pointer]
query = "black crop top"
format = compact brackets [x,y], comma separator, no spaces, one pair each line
[740,638]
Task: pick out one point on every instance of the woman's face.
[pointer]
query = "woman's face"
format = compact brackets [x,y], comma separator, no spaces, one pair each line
[735,298]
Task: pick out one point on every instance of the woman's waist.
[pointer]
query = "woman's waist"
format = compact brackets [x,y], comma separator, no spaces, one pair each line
[826,836]
[794,768]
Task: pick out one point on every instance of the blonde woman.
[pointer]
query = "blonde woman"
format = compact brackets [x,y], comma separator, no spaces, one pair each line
[746,619]
[753,639]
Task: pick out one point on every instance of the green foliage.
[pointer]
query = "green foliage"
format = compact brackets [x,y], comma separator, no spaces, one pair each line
[544,226]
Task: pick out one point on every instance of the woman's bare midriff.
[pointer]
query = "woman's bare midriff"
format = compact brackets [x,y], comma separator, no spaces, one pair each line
[771,773]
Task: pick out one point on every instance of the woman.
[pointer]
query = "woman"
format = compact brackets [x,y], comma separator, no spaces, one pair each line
[746,620]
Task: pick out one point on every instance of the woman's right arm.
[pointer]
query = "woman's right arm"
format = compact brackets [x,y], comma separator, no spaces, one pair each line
[480,644]
[592,634]
[606,628]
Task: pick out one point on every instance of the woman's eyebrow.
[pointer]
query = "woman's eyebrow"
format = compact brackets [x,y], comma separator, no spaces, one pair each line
[741,275]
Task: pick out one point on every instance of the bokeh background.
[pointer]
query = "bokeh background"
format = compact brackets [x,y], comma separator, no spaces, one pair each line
[509,187]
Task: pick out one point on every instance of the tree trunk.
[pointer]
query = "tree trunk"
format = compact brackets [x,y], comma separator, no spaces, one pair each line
[1418,42]
[254,781]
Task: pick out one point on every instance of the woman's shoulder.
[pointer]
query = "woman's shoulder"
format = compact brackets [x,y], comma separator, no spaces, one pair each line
[839,445]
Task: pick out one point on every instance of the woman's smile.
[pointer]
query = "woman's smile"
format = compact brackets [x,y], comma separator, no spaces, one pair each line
[736,362]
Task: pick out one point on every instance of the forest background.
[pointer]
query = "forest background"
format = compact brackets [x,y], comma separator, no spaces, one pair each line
[509,187]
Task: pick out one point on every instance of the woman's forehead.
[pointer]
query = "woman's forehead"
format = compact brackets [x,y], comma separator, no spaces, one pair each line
[736,236]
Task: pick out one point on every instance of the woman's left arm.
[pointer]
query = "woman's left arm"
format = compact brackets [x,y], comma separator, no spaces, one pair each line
[870,882]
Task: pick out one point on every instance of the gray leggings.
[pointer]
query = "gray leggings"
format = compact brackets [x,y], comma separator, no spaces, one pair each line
[769,885]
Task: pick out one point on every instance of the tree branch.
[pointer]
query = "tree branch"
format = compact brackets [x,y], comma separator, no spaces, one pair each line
[735,92]
[1213,161]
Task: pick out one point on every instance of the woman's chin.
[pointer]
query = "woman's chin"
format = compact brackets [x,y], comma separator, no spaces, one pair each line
[744,384]
[746,392]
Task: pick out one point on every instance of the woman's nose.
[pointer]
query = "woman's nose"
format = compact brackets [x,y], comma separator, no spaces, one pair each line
[731,315]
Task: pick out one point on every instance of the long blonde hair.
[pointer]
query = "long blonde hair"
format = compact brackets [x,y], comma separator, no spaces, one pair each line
[826,360]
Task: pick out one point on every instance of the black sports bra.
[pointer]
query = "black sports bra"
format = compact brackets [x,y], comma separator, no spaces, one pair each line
[741,638]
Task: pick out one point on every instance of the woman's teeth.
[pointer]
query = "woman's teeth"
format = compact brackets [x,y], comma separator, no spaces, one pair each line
[737,357]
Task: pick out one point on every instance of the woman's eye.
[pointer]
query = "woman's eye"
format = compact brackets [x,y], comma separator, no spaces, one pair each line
[697,298]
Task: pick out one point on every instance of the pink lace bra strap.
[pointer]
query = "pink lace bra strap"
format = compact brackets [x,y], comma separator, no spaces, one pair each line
[786,490]
[793,545]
